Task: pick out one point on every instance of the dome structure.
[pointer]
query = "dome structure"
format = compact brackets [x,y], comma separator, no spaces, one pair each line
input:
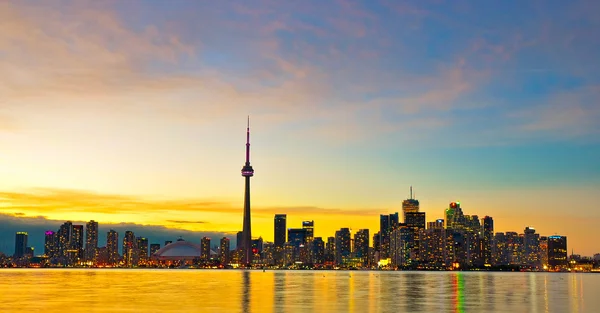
[179,250]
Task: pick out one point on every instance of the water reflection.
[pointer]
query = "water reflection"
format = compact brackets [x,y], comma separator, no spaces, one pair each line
[77,290]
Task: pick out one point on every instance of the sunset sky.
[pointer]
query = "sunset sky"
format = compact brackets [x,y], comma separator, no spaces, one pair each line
[135,112]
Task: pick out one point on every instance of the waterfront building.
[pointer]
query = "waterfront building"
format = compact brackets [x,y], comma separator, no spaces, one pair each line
[500,254]
[20,244]
[180,250]
[310,229]
[387,223]
[91,240]
[318,251]
[487,240]
[112,247]
[433,247]
[361,246]
[76,245]
[50,244]
[224,251]
[330,251]
[531,248]
[129,249]
[205,248]
[142,249]
[409,205]
[342,245]
[280,224]
[557,252]
[543,252]
[153,248]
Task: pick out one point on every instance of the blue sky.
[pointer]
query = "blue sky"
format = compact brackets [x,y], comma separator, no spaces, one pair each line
[351,102]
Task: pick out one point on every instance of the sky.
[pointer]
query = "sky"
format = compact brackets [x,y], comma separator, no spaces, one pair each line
[135,112]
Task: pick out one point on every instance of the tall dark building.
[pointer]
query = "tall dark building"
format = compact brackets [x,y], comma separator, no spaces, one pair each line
[247,172]
[238,240]
[342,245]
[91,240]
[557,252]
[129,248]
[361,245]
[205,248]
[20,244]
[224,251]
[531,247]
[280,229]
[297,236]
[318,251]
[142,248]
[50,244]
[487,239]
[77,242]
[112,247]
[415,220]
[387,223]
[64,240]
[310,229]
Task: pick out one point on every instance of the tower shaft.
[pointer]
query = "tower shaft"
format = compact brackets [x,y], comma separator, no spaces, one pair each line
[247,172]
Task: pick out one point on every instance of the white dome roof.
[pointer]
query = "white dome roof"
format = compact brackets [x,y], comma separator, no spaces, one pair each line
[178,250]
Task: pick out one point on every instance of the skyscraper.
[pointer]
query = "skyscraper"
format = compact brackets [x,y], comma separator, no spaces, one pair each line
[112,247]
[454,216]
[247,172]
[410,205]
[531,247]
[310,229]
[50,244]
[361,245]
[153,248]
[20,244]
[129,248]
[77,242]
[142,249]
[64,240]
[342,245]
[487,239]
[387,223]
[280,228]
[224,251]
[91,240]
[557,252]
[205,248]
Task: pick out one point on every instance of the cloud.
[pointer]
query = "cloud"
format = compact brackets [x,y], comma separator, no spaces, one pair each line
[186,222]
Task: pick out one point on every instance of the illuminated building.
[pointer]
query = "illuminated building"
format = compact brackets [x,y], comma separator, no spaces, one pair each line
[500,254]
[557,252]
[142,249]
[238,242]
[153,248]
[180,250]
[514,246]
[342,245]
[205,248]
[432,246]
[410,205]
[50,244]
[91,240]
[415,221]
[112,247]
[129,249]
[318,251]
[288,254]
[387,223]
[64,241]
[20,244]
[531,248]
[310,229]
[297,238]
[454,216]
[280,229]
[439,223]
[247,172]
[256,248]
[330,250]
[76,246]
[268,254]
[29,252]
[101,256]
[543,255]
[361,246]
[224,250]
[487,239]
[401,246]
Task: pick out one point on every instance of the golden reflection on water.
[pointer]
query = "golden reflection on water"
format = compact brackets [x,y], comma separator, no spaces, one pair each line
[126,290]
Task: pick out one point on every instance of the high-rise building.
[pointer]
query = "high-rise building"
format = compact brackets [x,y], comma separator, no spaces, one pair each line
[50,244]
[239,240]
[142,249]
[401,245]
[432,246]
[330,250]
[543,255]
[224,251]
[439,223]
[500,253]
[310,229]
[205,248]
[318,251]
[112,247]
[280,229]
[20,244]
[297,236]
[64,241]
[514,246]
[153,248]
[387,223]
[531,247]
[454,216]
[410,205]
[415,222]
[130,249]
[342,245]
[487,240]
[557,252]
[361,246]
[77,243]
[91,240]
[247,172]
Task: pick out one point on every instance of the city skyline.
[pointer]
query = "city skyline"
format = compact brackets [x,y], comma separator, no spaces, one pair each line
[133,107]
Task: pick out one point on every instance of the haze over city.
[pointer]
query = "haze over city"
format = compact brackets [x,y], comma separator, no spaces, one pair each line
[135,112]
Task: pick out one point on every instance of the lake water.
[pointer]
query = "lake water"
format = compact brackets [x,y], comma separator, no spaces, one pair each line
[153,290]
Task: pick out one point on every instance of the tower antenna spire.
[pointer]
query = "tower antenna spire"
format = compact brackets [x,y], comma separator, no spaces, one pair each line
[411,195]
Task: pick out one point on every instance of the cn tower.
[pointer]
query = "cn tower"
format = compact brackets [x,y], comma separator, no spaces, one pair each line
[247,172]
